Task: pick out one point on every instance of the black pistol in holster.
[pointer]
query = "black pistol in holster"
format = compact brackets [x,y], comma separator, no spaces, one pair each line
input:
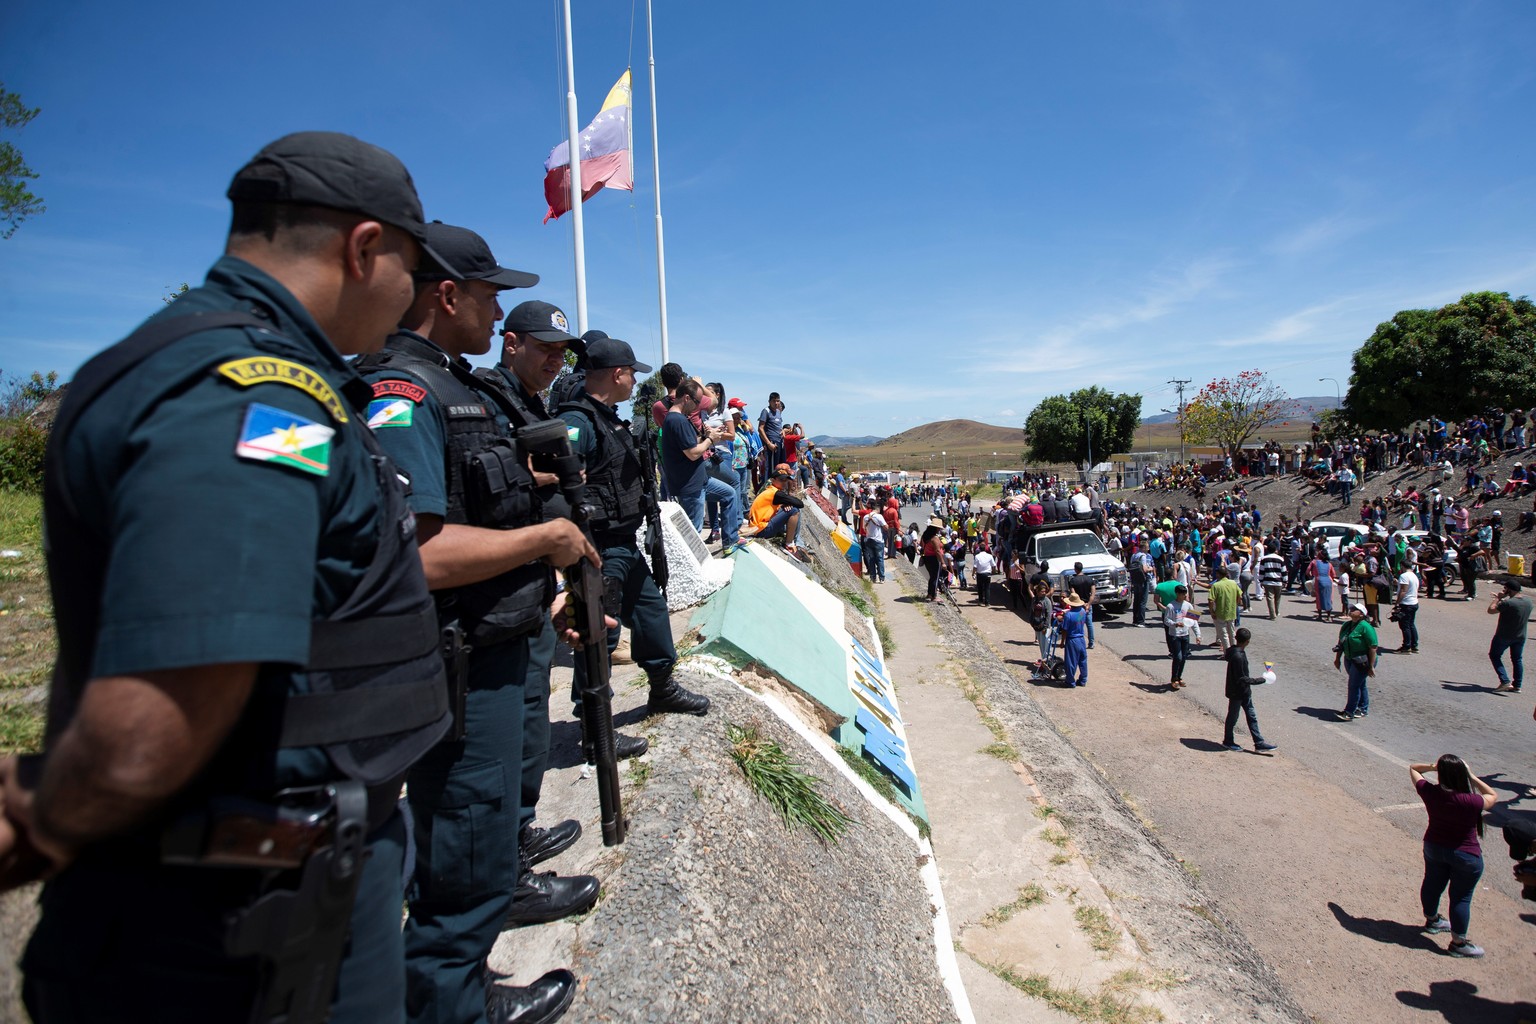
[312,843]
[549,447]
[655,542]
[455,651]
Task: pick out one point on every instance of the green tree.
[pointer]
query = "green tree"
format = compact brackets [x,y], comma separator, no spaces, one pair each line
[647,393]
[1058,430]
[17,202]
[1230,411]
[19,396]
[1335,423]
[1474,354]
[23,440]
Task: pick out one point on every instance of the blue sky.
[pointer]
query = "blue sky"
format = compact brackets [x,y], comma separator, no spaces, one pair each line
[890,213]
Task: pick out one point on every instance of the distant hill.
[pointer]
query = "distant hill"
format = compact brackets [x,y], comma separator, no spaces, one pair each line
[828,441]
[956,432]
[961,447]
[1296,409]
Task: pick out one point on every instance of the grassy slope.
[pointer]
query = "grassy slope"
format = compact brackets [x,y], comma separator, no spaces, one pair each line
[27,641]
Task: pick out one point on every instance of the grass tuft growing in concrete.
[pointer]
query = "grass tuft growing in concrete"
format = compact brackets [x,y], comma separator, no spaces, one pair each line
[1109,1005]
[1102,933]
[1031,895]
[779,780]
[1001,751]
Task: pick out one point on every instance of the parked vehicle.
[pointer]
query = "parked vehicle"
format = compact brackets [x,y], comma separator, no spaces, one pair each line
[1336,534]
[1063,544]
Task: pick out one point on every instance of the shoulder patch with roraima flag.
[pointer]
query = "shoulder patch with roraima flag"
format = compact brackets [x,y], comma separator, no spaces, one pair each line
[278,436]
[267,370]
[390,412]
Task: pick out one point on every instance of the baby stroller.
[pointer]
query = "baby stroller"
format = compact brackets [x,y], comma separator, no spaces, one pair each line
[1050,668]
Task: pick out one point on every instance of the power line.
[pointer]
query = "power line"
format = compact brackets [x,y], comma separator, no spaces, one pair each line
[1180,385]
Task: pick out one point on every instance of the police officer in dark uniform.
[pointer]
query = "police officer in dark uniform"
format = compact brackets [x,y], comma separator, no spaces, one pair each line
[534,345]
[487,548]
[247,662]
[619,495]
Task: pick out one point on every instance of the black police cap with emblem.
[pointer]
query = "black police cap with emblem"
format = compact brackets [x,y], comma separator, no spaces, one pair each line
[469,259]
[604,353]
[339,172]
[543,321]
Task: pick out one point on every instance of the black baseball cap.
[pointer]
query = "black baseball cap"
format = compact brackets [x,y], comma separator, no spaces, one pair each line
[544,321]
[605,353]
[470,259]
[337,171]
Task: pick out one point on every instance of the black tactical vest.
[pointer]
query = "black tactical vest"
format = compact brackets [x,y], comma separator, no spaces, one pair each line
[488,484]
[372,694]
[615,477]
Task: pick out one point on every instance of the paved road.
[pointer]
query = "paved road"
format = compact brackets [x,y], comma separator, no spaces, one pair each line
[1438,701]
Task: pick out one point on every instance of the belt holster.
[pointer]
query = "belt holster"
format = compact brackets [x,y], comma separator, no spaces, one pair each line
[300,934]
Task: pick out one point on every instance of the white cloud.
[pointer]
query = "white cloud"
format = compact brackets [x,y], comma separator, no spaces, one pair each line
[1322,233]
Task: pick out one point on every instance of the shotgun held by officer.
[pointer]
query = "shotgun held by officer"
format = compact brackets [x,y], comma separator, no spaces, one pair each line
[549,450]
[655,544]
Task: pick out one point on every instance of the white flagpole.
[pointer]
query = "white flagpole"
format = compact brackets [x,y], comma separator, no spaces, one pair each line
[661,249]
[573,132]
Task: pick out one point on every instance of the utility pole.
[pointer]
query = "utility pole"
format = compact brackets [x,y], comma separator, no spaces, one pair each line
[1180,385]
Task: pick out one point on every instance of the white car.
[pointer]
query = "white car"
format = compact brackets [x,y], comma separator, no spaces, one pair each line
[1334,534]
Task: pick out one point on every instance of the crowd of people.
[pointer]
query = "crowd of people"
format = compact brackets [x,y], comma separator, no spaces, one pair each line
[1246,564]
[1409,544]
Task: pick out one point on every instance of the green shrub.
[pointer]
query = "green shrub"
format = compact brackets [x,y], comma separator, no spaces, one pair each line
[22,448]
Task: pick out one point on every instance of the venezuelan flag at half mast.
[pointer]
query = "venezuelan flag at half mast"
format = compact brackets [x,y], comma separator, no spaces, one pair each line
[605,155]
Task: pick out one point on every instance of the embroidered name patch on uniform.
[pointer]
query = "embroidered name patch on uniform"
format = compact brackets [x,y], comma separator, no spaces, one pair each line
[266,370]
[390,412]
[277,435]
[399,389]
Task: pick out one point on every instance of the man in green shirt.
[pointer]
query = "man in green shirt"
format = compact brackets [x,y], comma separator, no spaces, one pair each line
[1356,654]
[1222,602]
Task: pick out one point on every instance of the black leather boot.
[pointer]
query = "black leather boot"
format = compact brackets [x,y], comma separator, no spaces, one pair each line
[544,1001]
[545,897]
[539,844]
[669,696]
[624,746]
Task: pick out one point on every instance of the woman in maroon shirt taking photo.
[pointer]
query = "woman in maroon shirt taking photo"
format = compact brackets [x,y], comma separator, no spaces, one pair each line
[1453,855]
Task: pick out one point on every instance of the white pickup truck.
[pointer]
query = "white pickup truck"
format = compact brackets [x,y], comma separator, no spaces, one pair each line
[1063,544]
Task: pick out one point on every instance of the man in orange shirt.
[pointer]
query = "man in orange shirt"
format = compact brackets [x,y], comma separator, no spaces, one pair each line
[775,511]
